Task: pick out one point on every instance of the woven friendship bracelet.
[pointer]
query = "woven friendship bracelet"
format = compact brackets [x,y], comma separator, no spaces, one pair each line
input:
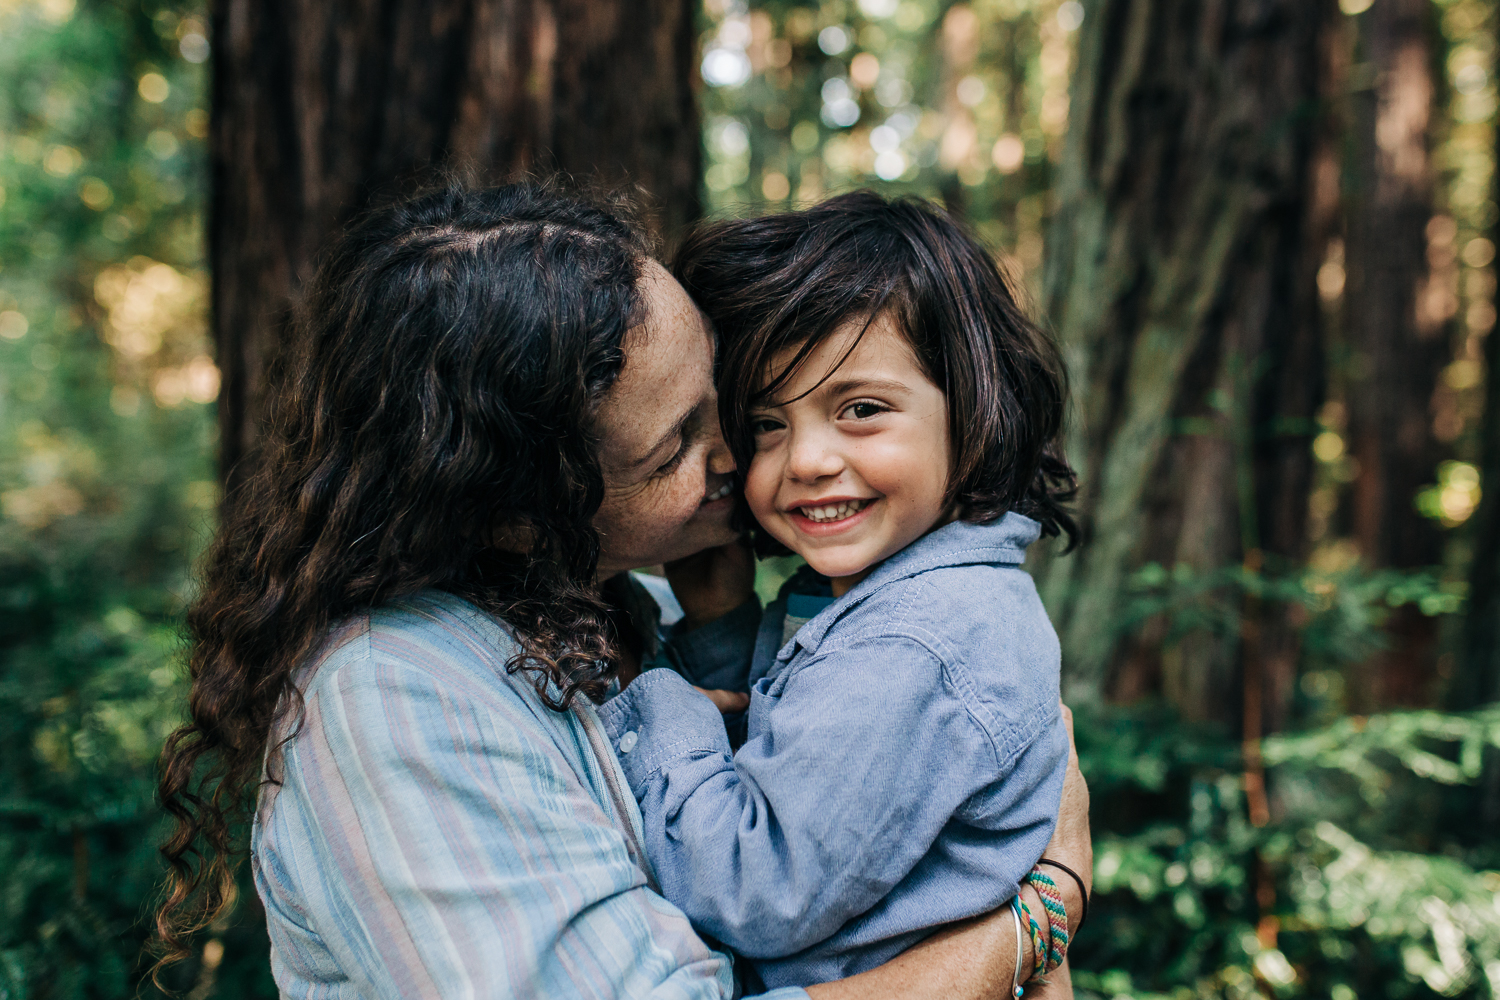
[1081,890]
[1057,916]
[1038,949]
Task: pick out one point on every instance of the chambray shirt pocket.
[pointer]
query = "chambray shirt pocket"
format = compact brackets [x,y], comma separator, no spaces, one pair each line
[762,702]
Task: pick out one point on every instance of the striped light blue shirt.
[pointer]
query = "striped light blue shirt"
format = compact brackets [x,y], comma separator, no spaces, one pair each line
[439,832]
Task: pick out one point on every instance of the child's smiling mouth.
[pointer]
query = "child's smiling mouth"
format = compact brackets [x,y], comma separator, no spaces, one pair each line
[833,511]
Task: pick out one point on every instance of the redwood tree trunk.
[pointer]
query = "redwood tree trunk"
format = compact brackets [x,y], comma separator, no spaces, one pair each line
[320,104]
[1398,349]
[1191,216]
[1476,680]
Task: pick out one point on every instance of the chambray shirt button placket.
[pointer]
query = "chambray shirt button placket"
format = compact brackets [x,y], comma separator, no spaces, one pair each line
[629,740]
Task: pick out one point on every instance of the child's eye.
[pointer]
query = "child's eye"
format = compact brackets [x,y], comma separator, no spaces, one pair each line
[862,410]
[764,425]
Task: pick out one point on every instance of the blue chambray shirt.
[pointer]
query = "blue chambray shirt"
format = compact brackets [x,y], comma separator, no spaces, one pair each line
[903,765]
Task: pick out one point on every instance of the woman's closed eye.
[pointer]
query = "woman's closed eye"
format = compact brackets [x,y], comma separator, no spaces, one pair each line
[671,464]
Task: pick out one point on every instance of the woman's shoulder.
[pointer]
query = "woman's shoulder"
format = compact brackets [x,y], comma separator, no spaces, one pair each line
[417,681]
[412,646]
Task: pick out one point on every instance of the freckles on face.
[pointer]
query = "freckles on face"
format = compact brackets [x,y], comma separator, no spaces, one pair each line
[665,464]
[851,462]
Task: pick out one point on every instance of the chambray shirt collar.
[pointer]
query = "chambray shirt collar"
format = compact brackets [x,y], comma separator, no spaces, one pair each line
[957,544]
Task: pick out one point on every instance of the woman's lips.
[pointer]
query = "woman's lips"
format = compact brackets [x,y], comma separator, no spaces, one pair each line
[819,529]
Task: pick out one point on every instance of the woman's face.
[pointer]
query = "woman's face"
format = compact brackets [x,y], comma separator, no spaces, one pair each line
[667,486]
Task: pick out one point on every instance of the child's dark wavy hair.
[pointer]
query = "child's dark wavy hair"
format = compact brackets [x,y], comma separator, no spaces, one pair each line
[789,281]
[450,356]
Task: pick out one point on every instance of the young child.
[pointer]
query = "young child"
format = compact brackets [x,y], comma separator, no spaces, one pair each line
[894,416]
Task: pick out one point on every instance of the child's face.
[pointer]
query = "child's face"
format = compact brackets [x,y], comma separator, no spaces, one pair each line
[855,470]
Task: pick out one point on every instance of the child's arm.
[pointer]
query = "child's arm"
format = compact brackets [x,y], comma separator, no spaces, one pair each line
[849,778]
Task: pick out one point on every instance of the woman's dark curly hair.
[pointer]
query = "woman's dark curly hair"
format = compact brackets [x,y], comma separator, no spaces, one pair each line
[449,359]
[789,281]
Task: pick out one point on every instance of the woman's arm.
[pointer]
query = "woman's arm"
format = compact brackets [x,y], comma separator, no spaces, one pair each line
[712,583]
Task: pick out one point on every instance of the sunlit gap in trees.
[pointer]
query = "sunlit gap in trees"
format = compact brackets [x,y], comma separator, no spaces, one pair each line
[914,96]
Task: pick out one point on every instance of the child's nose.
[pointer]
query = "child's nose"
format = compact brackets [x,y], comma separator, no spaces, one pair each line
[812,459]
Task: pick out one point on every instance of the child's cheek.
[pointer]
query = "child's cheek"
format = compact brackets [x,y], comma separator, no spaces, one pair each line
[760,488]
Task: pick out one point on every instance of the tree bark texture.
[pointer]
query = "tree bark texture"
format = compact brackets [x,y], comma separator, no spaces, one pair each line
[1192,210]
[318,106]
[1398,348]
[1476,680]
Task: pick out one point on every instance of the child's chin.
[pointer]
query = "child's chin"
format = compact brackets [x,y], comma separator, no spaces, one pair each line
[834,569]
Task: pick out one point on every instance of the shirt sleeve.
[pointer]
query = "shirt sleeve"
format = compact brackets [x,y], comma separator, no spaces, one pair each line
[457,852]
[844,785]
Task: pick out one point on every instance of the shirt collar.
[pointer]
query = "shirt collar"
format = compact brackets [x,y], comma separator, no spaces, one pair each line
[960,543]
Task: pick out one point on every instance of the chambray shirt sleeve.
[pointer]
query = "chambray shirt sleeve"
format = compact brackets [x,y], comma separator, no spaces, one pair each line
[716,655]
[852,773]
[454,852]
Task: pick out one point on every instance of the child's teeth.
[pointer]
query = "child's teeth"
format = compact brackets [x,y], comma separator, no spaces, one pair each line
[834,512]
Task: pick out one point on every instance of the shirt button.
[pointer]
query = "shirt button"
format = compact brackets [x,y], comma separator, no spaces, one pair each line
[629,740]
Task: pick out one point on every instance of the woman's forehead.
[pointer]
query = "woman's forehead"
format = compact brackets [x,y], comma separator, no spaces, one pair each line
[668,372]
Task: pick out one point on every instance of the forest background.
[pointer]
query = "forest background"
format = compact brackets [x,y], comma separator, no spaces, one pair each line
[1263,230]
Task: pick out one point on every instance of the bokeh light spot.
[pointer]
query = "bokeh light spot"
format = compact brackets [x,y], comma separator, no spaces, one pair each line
[833,40]
[194,47]
[95,194]
[153,87]
[1009,153]
[13,325]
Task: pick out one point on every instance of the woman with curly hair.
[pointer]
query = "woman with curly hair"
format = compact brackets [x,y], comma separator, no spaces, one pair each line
[498,406]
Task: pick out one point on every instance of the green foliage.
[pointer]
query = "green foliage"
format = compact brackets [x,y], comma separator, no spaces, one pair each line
[107,483]
[1340,608]
[1375,877]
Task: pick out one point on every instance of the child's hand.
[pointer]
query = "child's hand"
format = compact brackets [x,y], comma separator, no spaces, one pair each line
[726,701]
[712,583]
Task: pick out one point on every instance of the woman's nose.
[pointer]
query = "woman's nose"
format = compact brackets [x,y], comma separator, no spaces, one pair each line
[720,458]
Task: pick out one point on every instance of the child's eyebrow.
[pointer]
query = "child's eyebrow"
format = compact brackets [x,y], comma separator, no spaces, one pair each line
[839,387]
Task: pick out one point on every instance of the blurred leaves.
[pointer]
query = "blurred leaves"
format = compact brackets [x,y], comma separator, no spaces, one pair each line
[1367,882]
[965,103]
[107,482]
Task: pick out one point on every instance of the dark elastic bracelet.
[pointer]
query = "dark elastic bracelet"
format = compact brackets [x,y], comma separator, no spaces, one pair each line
[1081,890]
